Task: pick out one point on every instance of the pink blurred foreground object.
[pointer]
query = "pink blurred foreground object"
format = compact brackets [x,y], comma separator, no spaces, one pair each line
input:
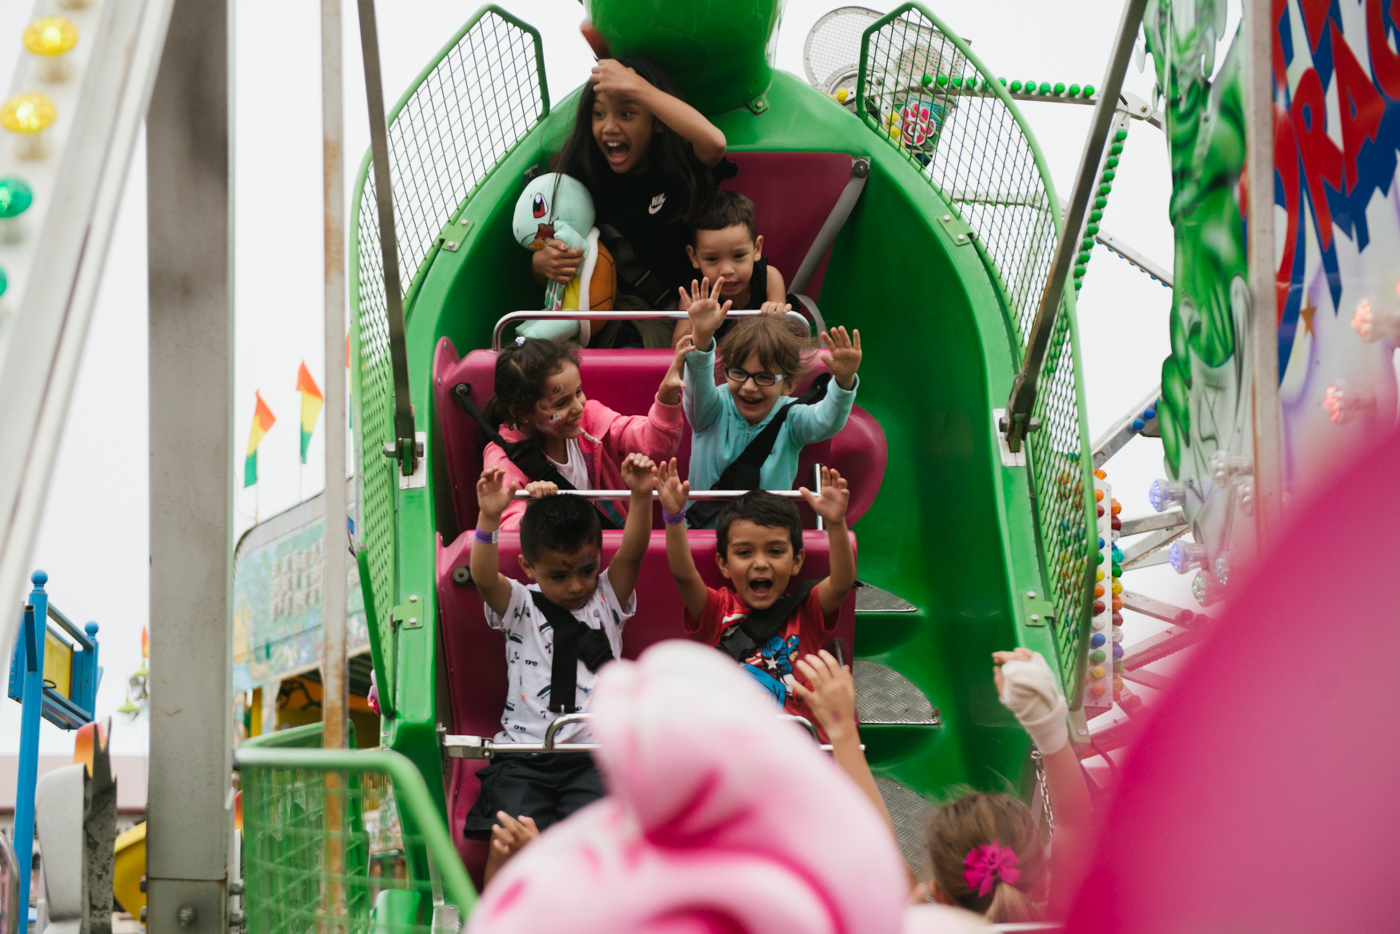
[721,818]
[1262,794]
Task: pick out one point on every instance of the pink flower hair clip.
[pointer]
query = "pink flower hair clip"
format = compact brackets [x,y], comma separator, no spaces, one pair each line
[985,864]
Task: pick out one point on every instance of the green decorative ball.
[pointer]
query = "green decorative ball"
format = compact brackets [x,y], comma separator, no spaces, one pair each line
[1059,87]
[1088,90]
[1074,90]
[1015,87]
[926,80]
[1045,87]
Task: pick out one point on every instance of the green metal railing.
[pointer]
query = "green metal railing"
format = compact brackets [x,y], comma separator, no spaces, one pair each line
[341,841]
[468,108]
[922,89]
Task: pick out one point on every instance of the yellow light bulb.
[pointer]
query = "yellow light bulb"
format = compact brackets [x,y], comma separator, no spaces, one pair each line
[28,116]
[27,113]
[50,35]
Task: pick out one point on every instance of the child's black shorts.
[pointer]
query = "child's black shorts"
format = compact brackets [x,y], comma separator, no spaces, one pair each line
[546,787]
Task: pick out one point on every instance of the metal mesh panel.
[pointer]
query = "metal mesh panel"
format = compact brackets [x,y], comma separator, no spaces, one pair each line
[833,45]
[919,90]
[302,874]
[457,123]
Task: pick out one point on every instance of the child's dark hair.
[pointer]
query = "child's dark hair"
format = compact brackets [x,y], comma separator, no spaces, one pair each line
[522,375]
[776,339]
[582,158]
[761,508]
[976,819]
[726,209]
[558,523]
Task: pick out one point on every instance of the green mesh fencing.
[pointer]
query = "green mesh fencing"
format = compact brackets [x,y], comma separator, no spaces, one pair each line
[921,88]
[468,108]
[340,842]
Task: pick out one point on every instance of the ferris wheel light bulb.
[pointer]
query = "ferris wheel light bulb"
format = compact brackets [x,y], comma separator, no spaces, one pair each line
[51,39]
[15,198]
[29,117]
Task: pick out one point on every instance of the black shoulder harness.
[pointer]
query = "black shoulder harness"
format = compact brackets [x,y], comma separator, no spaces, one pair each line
[573,641]
[740,640]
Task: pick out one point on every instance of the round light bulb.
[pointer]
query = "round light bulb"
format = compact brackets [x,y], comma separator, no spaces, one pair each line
[50,35]
[15,196]
[51,38]
[28,116]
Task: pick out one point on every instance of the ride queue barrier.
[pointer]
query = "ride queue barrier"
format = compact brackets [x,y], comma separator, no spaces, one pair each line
[576,315]
[399,870]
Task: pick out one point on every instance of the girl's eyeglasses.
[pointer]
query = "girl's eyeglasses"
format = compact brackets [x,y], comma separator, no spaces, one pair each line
[738,375]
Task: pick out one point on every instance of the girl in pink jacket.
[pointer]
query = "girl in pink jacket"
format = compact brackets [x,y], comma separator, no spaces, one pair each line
[539,396]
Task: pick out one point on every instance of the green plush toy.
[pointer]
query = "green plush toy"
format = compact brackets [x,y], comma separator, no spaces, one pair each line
[559,207]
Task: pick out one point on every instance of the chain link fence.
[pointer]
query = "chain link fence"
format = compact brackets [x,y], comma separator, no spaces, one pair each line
[468,108]
[922,90]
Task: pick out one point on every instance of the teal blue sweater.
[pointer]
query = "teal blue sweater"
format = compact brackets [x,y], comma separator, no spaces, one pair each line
[719,433]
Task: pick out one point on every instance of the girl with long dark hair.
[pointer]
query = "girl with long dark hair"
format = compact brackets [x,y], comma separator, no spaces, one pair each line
[651,163]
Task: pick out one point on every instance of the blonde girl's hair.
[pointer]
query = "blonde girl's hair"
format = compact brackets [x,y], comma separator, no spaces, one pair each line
[780,346]
[977,819]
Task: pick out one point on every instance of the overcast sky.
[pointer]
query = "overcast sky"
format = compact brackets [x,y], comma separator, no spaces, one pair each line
[94,541]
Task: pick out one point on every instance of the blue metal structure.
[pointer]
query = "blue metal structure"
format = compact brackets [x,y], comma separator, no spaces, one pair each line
[69,712]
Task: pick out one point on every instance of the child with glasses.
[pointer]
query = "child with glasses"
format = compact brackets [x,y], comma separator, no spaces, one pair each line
[764,359]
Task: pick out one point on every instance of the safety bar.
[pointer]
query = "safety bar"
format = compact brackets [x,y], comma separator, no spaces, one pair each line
[481,747]
[694,494]
[610,316]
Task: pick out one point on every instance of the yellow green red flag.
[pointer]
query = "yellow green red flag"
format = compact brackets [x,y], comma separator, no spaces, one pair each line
[311,402]
[262,421]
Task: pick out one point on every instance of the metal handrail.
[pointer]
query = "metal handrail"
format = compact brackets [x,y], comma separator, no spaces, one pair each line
[694,494]
[1021,402]
[481,747]
[610,316]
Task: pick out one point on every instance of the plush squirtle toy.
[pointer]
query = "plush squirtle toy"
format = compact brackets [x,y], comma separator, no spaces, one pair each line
[558,207]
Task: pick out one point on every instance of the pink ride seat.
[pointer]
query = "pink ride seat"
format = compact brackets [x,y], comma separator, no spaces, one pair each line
[475,653]
[626,381]
[792,195]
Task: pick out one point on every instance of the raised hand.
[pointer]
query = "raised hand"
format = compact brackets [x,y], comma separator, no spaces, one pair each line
[672,490]
[611,75]
[673,382]
[845,355]
[834,498]
[638,473]
[832,696]
[703,307]
[540,488]
[493,494]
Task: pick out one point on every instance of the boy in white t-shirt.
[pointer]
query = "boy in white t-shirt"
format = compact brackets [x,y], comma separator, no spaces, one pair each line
[570,606]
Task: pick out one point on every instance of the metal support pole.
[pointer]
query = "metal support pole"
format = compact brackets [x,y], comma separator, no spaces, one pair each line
[406,447]
[189,231]
[333,612]
[1263,328]
[333,699]
[1022,401]
[34,626]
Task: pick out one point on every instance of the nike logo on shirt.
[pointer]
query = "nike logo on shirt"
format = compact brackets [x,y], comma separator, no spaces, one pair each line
[657,203]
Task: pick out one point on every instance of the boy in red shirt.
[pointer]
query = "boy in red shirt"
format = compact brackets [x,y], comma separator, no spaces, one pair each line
[758,539]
